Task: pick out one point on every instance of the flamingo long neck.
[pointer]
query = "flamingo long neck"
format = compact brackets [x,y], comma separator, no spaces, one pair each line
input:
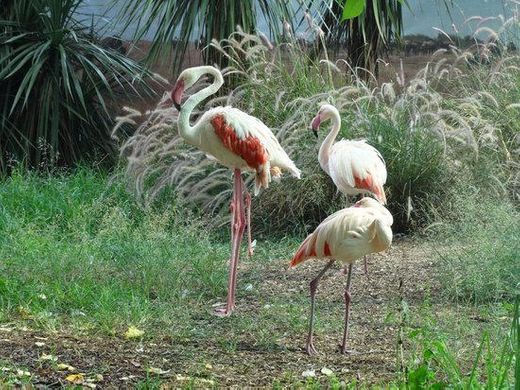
[324,153]
[189,133]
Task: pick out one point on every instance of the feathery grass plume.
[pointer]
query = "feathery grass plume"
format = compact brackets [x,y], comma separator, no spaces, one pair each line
[457,117]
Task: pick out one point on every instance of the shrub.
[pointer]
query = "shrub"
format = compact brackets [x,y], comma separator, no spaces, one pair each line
[56,82]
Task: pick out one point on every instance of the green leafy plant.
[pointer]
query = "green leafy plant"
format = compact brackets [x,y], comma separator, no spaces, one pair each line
[175,22]
[495,366]
[56,85]
[365,28]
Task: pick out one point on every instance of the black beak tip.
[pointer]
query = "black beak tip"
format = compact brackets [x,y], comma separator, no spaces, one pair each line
[177,106]
[315,133]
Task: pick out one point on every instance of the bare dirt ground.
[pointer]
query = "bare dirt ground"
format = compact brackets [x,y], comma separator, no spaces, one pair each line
[208,360]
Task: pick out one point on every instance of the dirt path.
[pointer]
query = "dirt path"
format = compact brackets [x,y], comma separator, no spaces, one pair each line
[248,361]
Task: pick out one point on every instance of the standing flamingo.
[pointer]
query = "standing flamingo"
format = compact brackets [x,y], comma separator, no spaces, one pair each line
[238,141]
[345,236]
[354,166]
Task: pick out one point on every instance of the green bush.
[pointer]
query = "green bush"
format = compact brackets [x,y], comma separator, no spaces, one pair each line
[430,139]
[56,85]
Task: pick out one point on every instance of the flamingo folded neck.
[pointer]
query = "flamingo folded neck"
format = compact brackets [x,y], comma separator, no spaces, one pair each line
[189,133]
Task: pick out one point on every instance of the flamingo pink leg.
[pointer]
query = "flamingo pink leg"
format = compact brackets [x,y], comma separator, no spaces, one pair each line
[248,218]
[237,232]
[366,265]
[348,299]
[309,347]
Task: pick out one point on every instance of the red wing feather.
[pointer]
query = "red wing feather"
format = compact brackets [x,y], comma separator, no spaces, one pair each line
[250,149]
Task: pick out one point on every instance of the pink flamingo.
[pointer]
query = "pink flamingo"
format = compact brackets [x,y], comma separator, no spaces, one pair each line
[238,141]
[355,167]
[345,236]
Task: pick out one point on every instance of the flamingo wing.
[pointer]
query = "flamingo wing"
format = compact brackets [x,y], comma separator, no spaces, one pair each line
[251,140]
[357,165]
[344,235]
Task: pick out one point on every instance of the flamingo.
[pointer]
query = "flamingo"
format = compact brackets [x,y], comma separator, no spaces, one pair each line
[345,236]
[238,141]
[355,167]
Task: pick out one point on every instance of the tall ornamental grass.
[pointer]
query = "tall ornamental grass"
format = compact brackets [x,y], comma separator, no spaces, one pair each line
[434,130]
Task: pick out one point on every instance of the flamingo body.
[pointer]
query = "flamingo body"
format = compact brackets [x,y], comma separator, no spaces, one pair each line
[240,141]
[357,168]
[349,234]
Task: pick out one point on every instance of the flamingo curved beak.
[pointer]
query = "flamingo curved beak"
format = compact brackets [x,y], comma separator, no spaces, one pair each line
[315,125]
[177,92]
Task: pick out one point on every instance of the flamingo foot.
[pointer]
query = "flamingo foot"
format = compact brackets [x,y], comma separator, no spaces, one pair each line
[344,351]
[310,349]
[251,248]
[223,311]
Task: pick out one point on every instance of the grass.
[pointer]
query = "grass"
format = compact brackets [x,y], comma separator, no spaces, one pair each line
[438,128]
[81,260]
[480,262]
[75,246]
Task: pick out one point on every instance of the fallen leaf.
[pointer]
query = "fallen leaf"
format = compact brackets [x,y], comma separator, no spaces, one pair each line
[326,371]
[135,364]
[51,358]
[22,373]
[209,366]
[39,344]
[77,379]
[95,378]
[157,371]
[127,378]
[24,312]
[64,366]
[309,374]
[133,333]
[42,296]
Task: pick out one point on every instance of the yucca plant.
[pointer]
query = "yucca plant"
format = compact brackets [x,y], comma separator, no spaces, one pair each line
[56,85]
[365,28]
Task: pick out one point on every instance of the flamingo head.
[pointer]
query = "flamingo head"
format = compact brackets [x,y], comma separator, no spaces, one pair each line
[186,79]
[326,112]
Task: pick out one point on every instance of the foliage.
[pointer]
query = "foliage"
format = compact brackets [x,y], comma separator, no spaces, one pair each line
[480,262]
[364,29]
[72,244]
[426,137]
[56,83]
[437,365]
[175,22]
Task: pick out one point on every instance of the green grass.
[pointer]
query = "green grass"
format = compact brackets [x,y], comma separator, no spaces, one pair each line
[78,246]
[79,256]
[480,261]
